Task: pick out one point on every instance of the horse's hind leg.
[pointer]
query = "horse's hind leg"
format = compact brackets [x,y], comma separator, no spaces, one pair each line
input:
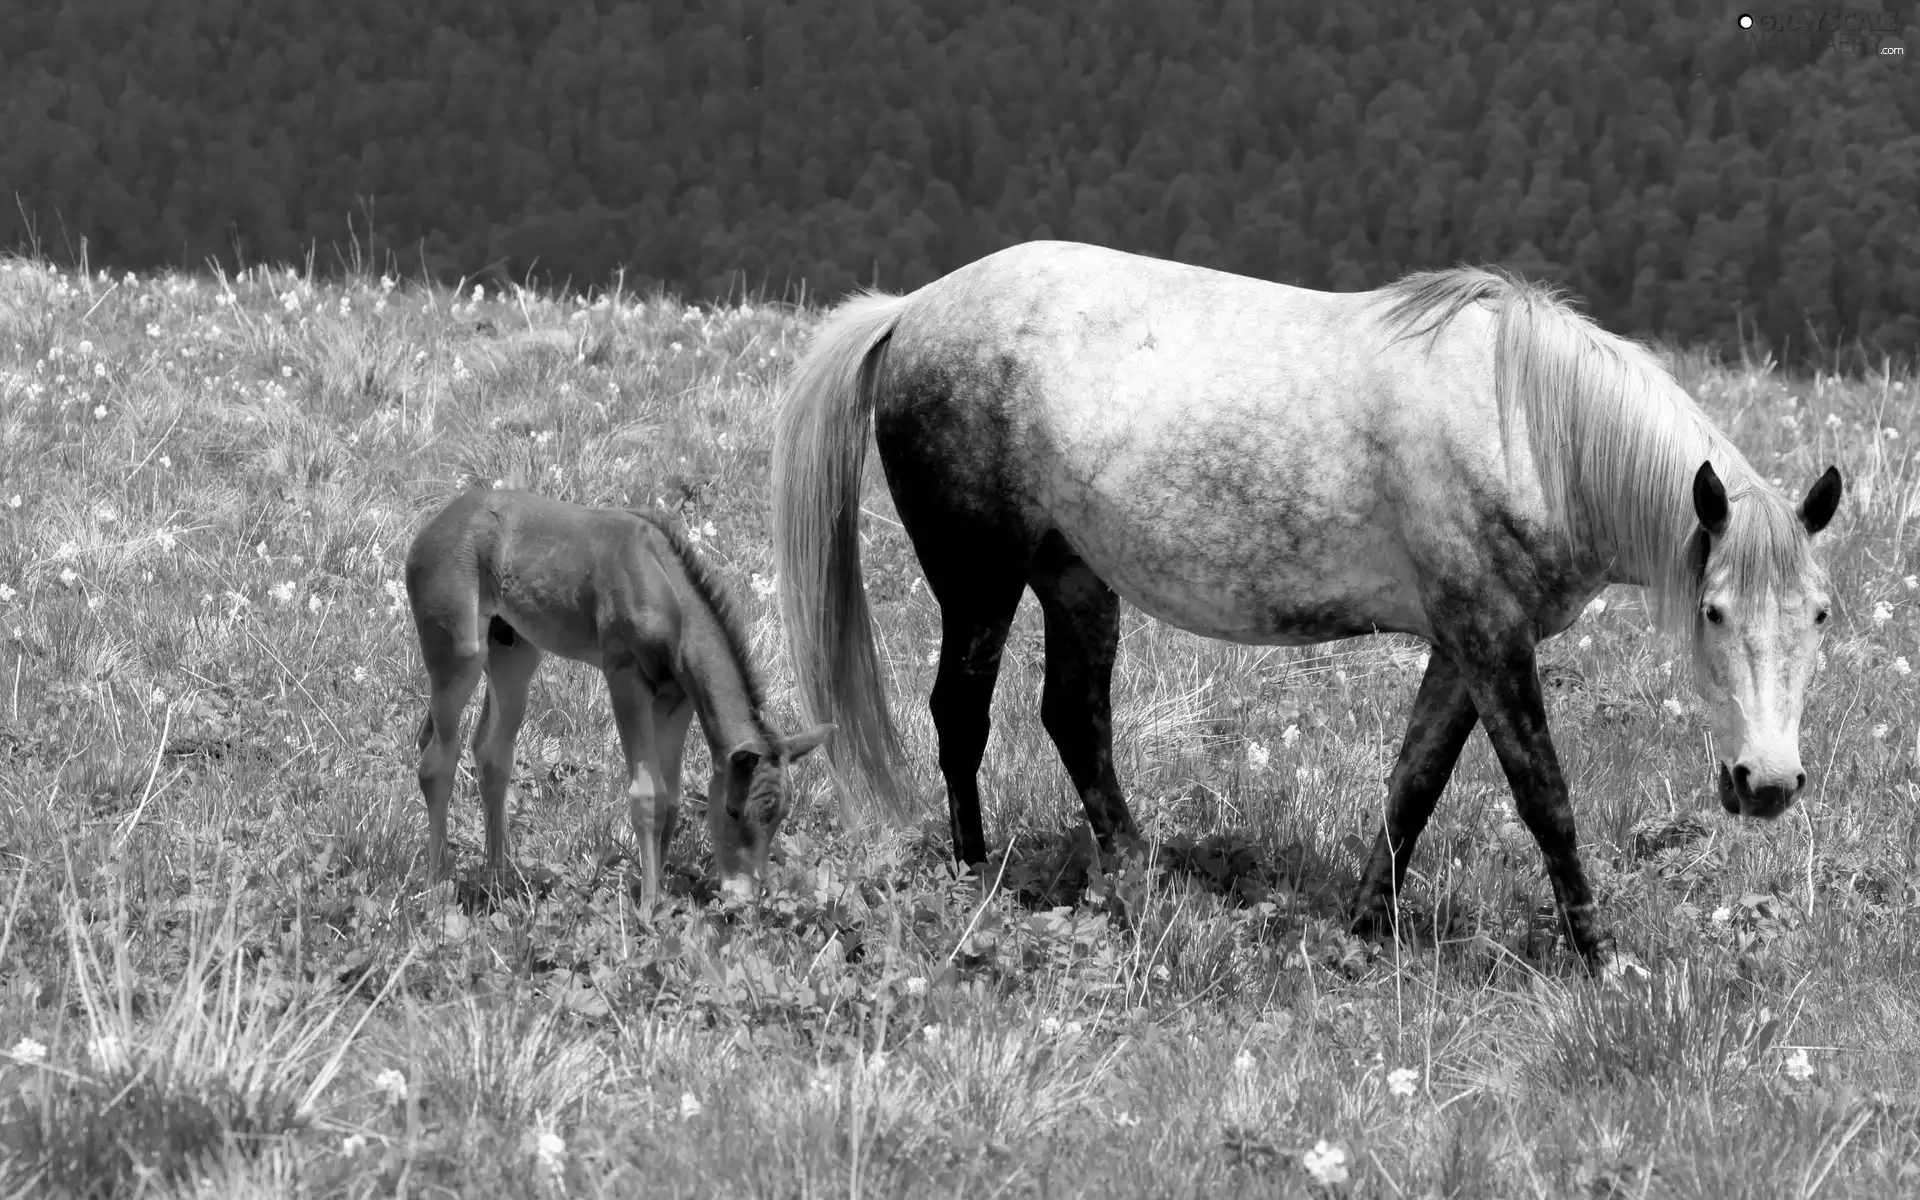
[978,593]
[1443,718]
[511,663]
[1083,635]
[454,660]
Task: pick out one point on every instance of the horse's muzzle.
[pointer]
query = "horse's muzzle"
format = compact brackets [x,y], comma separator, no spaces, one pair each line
[1739,796]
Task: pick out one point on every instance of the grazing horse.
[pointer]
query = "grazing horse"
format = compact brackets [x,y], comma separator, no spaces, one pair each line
[497,579]
[1458,456]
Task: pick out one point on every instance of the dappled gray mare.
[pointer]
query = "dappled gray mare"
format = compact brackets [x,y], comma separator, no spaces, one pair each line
[1458,456]
[500,579]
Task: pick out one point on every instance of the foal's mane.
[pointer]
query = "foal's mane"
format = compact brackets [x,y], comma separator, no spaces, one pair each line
[1615,440]
[718,599]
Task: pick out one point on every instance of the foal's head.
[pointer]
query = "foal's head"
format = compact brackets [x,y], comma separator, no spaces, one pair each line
[749,798]
[1763,609]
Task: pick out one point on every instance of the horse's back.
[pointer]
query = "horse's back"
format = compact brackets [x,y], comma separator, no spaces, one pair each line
[1243,458]
[562,575]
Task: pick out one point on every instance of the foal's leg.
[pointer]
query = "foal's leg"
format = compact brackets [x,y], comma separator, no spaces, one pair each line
[670,721]
[1076,707]
[633,715]
[1506,691]
[510,668]
[454,659]
[977,603]
[1443,718]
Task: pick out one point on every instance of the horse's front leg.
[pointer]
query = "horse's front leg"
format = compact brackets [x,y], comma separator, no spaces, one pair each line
[1443,718]
[1505,688]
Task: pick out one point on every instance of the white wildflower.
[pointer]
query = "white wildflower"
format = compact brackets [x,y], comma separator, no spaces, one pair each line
[1326,1163]
[1911,581]
[1402,1081]
[1900,666]
[15,502]
[1257,756]
[99,412]
[552,1147]
[108,1051]
[479,293]
[1722,915]
[153,329]
[1798,1067]
[392,1084]
[934,1035]
[762,585]
[916,986]
[1596,606]
[353,1144]
[1834,421]
[1880,733]
[1882,612]
[1585,642]
[690,1106]
[1243,1063]
[359,674]
[166,463]
[282,592]
[1674,706]
[1890,433]
[1050,1026]
[7,594]
[1290,735]
[86,347]
[68,575]
[165,539]
[28,1050]
[313,604]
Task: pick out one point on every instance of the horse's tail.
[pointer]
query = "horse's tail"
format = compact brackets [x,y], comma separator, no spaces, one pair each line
[820,452]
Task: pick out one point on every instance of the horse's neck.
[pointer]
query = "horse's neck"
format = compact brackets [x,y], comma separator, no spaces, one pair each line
[714,680]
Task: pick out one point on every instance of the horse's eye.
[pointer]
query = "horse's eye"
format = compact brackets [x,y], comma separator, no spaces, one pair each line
[1713,614]
[1820,618]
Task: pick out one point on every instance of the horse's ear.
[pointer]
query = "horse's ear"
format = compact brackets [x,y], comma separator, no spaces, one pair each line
[797,746]
[1710,500]
[1823,498]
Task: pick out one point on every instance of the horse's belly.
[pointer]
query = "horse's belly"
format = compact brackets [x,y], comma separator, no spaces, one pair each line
[1237,577]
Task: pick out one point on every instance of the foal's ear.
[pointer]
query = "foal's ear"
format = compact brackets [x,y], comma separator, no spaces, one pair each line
[1823,498]
[1710,500]
[797,746]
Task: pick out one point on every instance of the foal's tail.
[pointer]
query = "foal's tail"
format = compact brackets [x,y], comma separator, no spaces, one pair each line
[820,451]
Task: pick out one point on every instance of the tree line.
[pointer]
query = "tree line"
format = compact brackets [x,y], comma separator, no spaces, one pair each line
[1685,177]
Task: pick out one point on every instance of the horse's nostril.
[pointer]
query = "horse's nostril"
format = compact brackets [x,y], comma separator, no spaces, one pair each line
[1799,781]
[1740,776]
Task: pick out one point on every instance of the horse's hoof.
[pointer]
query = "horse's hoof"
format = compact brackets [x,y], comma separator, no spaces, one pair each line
[1372,923]
[1617,966]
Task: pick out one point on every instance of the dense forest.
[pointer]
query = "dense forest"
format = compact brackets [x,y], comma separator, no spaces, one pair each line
[1684,176]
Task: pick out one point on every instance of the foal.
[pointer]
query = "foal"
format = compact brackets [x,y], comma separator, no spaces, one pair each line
[498,579]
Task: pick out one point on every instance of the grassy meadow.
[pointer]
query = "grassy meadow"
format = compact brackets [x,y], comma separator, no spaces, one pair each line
[222,974]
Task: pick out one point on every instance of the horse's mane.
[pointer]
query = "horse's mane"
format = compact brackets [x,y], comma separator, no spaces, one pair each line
[1614,438]
[718,599]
